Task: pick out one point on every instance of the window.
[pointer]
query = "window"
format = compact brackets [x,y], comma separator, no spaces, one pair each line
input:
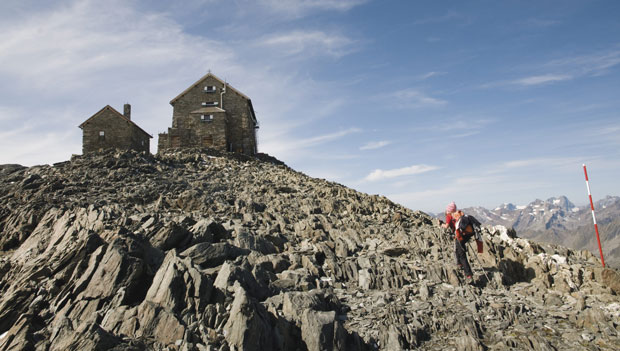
[207,141]
[206,118]
[211,103]
[210,89]
[102,133]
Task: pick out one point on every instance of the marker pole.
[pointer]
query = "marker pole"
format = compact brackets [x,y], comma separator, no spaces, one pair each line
[600,250]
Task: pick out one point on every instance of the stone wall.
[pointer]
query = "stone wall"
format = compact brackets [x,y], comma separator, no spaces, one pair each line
[117,133]
[232,127]
[242,132]
[199,132]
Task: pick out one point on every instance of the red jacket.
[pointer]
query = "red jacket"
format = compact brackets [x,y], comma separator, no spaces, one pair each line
[450,221]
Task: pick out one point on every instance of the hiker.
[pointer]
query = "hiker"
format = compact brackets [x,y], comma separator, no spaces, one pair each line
[450,222]
[464,230]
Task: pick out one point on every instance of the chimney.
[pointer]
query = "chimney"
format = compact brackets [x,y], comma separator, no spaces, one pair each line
[127,111]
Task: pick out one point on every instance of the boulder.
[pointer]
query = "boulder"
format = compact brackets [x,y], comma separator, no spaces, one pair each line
[611,279]
[208,255]
[179,286]
[171,236]
[249,326]
[321,331]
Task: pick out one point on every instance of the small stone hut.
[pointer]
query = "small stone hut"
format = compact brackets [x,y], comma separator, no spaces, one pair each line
[211,113]
[109,129]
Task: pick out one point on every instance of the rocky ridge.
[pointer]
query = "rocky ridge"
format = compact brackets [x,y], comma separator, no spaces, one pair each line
[204,251]
[558,221]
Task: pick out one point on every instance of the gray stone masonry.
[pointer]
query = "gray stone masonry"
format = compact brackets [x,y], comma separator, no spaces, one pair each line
[108,129]
[205,115]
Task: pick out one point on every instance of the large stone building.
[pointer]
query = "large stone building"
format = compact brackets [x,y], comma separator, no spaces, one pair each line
[108,129]
[211,113]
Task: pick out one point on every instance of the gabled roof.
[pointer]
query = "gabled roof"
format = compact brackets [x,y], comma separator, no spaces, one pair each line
[203,78]
[108,107]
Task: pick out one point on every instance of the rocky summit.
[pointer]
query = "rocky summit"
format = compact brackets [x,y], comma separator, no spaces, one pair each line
[197,250]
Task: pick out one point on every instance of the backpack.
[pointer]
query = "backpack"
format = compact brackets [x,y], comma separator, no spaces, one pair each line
[470,225]
[472,228]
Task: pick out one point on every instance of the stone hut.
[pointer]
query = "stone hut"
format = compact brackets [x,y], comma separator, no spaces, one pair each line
[109,129]
[211,113]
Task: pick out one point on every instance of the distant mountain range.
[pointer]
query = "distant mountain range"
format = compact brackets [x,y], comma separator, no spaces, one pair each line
[559,221]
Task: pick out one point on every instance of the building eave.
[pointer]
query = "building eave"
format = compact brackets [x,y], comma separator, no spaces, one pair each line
[118,114]
[228,86]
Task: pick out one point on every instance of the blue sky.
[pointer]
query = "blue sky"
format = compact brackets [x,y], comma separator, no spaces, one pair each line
[425,102]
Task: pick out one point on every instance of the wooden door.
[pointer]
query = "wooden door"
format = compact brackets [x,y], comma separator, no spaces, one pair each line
[175,141]
[207,141]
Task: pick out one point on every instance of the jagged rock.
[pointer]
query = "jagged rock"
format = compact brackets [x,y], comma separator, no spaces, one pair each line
[191,250]
[248,327]
[208,255]
[21,336]
[86,337]
[231,273]
[364,277]
[208,231]
[157,323]
[248,241]
[468,343]
[171,236]
[321,331]
[179,286]
[109,269]
[293,303]
[611,279]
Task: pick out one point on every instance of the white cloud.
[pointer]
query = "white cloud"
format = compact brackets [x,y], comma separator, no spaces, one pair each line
[430,74]
[416,98]
[541,162]
[320,139]
[565,69]
[31,141]
[373,145]
[78,46]
[542,79]
[594,64]
[608,130]
[379,174]
[285,147]
[300,8]
[309,43]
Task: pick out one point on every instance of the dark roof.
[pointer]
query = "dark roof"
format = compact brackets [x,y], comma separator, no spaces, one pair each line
[203,78]
[108,107]
[228,86]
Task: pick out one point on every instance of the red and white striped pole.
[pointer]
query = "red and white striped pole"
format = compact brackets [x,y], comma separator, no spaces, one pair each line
[600,250]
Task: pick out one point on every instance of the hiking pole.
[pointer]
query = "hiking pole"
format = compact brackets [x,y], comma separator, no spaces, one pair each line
[480,263]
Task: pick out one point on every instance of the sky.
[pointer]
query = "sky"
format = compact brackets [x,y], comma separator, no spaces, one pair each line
[425,102]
